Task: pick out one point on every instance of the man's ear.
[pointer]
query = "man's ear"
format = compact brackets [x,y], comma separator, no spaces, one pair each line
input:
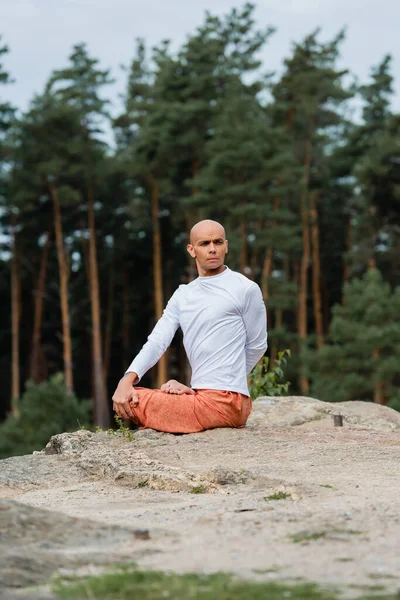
[191,251]
[226,248]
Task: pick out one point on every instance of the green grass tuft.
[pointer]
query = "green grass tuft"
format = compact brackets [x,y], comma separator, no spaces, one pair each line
[143,483]
[155,585]
[198,489]
[277,496]
[122,430]
[309,536]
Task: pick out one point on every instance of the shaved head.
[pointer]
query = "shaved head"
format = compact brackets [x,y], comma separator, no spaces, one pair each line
[203,228]
[208,246]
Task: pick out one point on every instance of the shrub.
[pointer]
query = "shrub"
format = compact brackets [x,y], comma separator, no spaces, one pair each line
[45,409]
[263,382]
[394,402]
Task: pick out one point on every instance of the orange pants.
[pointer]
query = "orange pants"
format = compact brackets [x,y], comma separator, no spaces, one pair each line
[190,413]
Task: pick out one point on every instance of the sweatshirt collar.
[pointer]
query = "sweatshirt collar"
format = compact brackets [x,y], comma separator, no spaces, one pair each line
[202,277]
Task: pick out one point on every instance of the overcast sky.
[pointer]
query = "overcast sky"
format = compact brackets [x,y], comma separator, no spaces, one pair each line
[40,33]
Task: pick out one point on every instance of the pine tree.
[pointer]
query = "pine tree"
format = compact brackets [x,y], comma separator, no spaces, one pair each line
[6,117]
[211,67]
[78,86]
[142,150]
[375,210]
[361,360]
[44,174]
[307,101]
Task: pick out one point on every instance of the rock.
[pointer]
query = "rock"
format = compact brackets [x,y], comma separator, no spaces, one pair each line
[290,452]
[141,534]
[83,455]
[289,411]
[223,476]
[70,444]
[35,543]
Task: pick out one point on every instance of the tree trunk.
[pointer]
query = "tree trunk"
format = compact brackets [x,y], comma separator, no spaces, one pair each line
[243,244]
[316,272]
[126,351]
[254,254]
[305,259]
[274,345]
[35,370]
[349,243]
[157,273]
[191,217]
[325,302]
[63,270]
[191,268]
[266,272]
[267,267]
[101,409]
[109,324]
[15,321]
[85,249]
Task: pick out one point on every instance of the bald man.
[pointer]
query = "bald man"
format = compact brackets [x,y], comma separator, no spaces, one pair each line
[223,319]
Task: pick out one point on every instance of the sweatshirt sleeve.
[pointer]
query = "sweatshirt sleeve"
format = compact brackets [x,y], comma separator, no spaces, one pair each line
[255,322]
[159,339]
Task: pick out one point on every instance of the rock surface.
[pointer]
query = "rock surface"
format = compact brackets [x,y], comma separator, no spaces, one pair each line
[299,410]
[34,543]
[289,496]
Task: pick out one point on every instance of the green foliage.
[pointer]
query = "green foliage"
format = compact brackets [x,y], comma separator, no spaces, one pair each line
[6,110]
[45,409]
[209,135]
[155,585]
[277,496]
[264,382]
[394,401]
[364,348]
[310,536]
[143,483]
[121,430]
[198,489]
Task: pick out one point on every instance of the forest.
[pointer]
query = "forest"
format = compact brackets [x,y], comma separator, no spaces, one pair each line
[302,169]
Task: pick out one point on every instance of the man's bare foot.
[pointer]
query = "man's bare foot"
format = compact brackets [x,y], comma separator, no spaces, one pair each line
[174,387]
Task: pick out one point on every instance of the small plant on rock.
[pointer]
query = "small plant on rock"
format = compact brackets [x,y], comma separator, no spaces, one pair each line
[122,429]
[277,496]
[198,489]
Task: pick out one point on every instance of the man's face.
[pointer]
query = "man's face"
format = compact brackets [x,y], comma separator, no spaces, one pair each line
[209,247]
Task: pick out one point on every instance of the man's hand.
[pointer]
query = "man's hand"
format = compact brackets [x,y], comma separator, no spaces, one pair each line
[124,395]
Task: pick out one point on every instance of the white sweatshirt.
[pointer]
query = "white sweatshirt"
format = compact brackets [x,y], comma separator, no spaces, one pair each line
[224,324]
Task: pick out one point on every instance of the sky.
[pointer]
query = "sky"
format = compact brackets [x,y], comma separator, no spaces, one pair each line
[40,34]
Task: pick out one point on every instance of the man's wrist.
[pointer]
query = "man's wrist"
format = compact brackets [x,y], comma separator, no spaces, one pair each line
[131,376]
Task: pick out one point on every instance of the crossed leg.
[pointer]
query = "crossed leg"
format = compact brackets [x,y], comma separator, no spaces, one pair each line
[175,408]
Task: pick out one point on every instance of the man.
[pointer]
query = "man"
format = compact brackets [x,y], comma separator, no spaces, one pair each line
[223,319]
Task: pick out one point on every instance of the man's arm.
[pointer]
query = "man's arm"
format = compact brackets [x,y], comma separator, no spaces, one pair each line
[255,322]
[157,342]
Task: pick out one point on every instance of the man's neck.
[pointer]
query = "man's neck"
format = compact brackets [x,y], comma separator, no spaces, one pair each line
[211,272]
